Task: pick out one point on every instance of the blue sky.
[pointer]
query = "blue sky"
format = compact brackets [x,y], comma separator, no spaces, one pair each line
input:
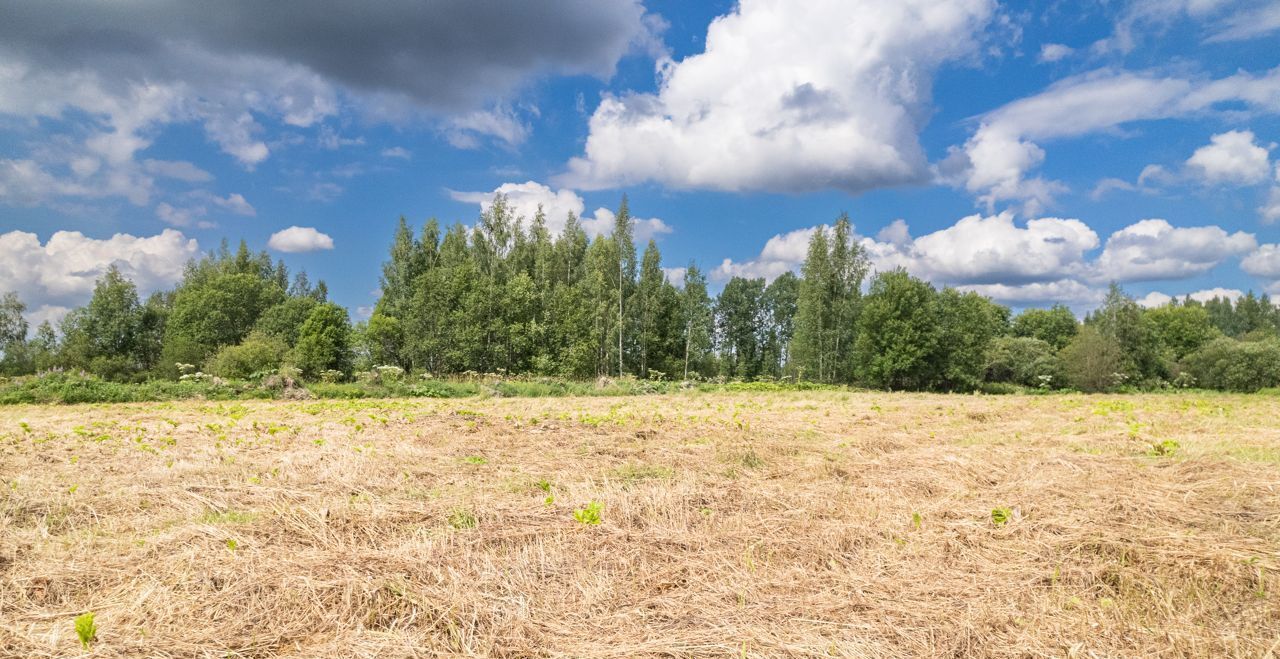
[1030,151]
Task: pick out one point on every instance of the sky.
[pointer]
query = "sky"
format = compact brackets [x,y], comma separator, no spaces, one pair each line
[1033,152]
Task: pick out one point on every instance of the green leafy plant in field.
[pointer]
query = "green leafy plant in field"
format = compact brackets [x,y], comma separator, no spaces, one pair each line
[916,520]
[545,485]
[1001,516]
[86,629]
[752,460]
[462,519]
[475,460]
[590,515]
[232,545]
[1165,448]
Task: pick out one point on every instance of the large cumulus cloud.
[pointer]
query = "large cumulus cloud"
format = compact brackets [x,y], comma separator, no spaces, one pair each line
[831,95]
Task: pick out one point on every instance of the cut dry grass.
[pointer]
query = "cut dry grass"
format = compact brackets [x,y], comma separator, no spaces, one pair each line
[801,524]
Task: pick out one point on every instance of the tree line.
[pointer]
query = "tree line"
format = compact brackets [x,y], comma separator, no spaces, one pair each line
[507,296]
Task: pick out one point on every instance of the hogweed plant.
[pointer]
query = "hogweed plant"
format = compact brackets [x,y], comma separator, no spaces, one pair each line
[590,515]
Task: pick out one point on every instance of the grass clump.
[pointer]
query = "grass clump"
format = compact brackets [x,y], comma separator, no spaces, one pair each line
[633,473]
[462,519]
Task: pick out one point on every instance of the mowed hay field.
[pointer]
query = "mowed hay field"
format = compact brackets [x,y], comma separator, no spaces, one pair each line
[771,524]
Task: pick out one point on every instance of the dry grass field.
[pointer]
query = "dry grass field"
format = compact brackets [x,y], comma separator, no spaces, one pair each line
[777,524]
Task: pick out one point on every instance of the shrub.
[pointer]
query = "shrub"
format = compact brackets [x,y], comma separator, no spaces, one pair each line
[324,340]
[258,353]
[1233,365]
[1092,361]
[1023,360]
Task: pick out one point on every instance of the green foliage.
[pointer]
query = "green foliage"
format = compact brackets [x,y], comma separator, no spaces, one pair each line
[86,629]
[383,342]
[967,323]
[13,335]
[282,321]
[1093,361]
[1024,361]
[1180,330]
[1121,321]
[589,515]
[258,353]
[560,314]
[105,335]
[218,313]
[828,305]
[898,333]
[1233,365]
[1055,326]
[739,318]
[65,387]
[1001,516]
[1165,448]
[324,341]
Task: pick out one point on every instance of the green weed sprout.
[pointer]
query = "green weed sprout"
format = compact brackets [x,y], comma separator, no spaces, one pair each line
[589,515]
[86,629]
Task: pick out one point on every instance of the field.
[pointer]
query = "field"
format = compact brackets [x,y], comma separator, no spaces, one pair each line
[750,524]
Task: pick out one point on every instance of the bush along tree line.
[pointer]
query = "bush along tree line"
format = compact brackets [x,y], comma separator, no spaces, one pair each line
[500,298]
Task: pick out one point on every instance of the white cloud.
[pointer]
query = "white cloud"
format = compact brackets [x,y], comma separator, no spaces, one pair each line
[235,203]
[299,239]
[1070,292]
[782,252]
[397,152]
[675,276]
[1041,260]
[994,249]
[186,216]
[1244,25]
[1053,52]
[1218,292]
[1264,262]
[325,192]
[830,96]
[176,169]
[1158,299]
[1270,209]
[59,274]
[996,163]
[502,123]
[1154,299]
[1151,18]
[330,140]
[182,217]
[643,229]
[525,198]
[1153,249]
[1107,185]
[1230,158]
